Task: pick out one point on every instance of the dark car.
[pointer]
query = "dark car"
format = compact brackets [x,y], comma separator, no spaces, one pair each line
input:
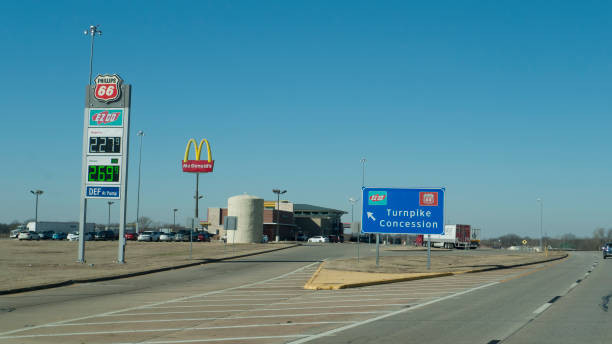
[204,236]
[46,235]
[333,238]
[105,235]
[301,237]
[607,250]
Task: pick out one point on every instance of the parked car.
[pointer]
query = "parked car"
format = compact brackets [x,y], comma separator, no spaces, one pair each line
[264,238]
[204,236]
[28,236]
[156,236]
[333,238]
[166,237]
[607,250]
[301,237]
[59,236]
[105,235]
[74,236]
[46,235]
[131,236]
[145,236]
[318,239]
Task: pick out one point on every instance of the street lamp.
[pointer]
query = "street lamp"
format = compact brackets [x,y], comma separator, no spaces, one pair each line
[141,134]
[174,219]
[363,161]
[93,31]
[36,193]
[539,200]
[278,192]
[108,222]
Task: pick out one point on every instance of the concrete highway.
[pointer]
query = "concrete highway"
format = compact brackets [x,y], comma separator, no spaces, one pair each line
[260,299]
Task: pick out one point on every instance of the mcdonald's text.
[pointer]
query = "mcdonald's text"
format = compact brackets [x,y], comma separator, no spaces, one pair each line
[199,166]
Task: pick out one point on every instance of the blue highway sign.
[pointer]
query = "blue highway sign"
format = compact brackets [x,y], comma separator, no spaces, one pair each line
[403,211]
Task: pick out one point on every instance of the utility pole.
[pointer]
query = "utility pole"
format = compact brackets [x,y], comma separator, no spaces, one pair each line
[108,222]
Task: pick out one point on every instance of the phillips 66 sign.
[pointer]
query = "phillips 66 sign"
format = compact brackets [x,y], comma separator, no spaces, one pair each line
[108,87]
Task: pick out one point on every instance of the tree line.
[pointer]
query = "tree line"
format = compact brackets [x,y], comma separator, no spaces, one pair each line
[567,241]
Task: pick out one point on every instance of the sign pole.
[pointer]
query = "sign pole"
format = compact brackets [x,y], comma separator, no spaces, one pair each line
[377,245]
[428,251]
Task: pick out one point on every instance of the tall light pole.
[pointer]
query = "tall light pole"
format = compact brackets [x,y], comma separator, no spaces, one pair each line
[363,161]
[541,213]
[93,31]
[140,134]
[174,219]
[278,192]
[108,222]
[353,200]
[36,193]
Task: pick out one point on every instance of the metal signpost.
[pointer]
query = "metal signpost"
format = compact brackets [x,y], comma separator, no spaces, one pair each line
[105,151]
[403,211]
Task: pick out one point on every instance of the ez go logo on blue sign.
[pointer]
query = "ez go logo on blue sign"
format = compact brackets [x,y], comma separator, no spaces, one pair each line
[377,197]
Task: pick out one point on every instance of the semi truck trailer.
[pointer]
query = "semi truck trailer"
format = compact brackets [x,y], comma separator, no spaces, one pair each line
[455,236]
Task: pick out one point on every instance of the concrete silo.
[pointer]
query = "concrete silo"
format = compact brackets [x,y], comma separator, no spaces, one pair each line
[249,211]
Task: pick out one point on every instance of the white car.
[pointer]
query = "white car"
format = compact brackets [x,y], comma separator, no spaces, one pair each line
[28,236]
[166,237]
[318,239]
[74,236]
[145,236]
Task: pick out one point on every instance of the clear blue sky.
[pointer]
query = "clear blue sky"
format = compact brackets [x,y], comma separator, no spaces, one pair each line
[501,102]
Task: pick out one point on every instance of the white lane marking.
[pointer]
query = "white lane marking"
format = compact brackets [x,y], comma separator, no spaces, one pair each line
[206,319]
[175,329]
[229,300]
[542,308]
[258,309]
[217,339]
[157,303]
[347,327]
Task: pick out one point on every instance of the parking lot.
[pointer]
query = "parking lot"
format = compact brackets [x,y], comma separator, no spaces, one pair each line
[274,310]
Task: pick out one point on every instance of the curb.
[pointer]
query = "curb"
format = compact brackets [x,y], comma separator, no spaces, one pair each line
[133,274]
[310,286]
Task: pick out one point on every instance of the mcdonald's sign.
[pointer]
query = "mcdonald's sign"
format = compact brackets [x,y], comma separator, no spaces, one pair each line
[197,165]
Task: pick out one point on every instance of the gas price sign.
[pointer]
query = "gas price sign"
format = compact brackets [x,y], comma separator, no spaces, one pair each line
[103,170]
[104,140]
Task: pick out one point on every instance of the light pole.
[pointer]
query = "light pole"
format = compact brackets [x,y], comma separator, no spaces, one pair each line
[363,161]
[93,31]
[108,222]
[353,200]
[141,134]
[174,219]
[36,193]
[278,192]
[541,213]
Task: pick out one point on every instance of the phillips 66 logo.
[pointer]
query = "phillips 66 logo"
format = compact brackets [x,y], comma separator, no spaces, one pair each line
[108,87]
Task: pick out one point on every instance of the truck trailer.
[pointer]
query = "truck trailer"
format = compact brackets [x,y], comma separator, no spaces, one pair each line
[475,238]
[455,236]
[65,227]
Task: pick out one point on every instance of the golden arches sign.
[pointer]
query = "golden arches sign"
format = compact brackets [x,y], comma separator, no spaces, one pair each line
[197,165]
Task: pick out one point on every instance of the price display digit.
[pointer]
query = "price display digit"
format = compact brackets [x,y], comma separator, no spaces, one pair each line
[105,144]
[103,173]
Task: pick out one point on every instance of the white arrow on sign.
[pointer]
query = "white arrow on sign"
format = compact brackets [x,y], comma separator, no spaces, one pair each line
[371,216]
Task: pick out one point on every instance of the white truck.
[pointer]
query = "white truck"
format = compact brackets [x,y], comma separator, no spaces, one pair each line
[455,236]
[65,227]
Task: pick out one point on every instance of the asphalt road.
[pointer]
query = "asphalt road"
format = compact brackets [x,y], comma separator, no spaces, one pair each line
[260,300]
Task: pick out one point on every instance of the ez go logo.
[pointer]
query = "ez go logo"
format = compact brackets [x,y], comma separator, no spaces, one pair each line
[377,197]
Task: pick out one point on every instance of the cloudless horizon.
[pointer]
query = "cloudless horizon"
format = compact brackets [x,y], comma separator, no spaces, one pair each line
[501,103]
